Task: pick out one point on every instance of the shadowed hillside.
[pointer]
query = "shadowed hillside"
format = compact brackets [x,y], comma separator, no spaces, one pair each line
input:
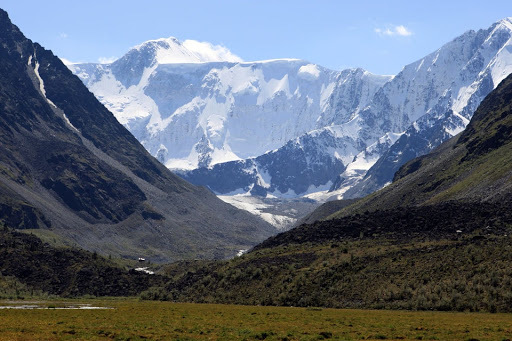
[69,169]
[65,272]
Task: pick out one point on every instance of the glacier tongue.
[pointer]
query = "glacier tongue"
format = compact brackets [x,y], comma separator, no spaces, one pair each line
[287,127]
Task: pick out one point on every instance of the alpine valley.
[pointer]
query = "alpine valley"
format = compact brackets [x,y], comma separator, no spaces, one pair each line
[260,132]
[83,202]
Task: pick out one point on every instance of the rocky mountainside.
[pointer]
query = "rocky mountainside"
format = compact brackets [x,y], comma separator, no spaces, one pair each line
[438,95]
[288,128]
[69,169]
[474,166]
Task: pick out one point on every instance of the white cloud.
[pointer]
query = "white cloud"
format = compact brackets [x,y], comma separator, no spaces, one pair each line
[209,52]
[106,60]
[399,30]
[66,61]
[63,35]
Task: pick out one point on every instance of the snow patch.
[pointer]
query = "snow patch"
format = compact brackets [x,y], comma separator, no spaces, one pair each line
[43,92]
[145,270]
[41,85]
[241,252]
[361,164]
[69,122]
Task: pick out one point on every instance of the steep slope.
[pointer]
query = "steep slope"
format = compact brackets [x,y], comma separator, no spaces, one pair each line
[69,166]
[435,97]
[474,166]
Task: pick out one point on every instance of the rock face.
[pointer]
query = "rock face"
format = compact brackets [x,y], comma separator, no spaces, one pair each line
[288,128]
[69,168]
[473,167]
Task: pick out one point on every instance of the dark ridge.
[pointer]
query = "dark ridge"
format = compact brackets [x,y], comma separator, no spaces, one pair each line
[66,272]
[491,126]
[433,222]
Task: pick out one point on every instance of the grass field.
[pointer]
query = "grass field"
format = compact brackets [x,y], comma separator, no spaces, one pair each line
[136,320]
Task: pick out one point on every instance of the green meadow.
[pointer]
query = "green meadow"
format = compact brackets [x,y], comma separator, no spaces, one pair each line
[144,320]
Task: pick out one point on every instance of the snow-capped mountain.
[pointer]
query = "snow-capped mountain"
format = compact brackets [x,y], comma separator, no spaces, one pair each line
[289,128]
[434,98]
[196,114]
[428,102]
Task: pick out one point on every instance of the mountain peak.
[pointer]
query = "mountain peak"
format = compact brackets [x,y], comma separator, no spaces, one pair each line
[506,21]
[163,42]
[9,32]
[4,16]
[504,24]
[172,51]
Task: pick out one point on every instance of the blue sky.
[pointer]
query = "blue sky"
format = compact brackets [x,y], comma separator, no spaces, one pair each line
[380,36]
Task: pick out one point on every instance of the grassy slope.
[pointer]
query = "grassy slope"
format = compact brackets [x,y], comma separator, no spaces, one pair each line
[396,259]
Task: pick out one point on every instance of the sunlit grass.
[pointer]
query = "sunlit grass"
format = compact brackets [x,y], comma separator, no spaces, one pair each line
[135,320]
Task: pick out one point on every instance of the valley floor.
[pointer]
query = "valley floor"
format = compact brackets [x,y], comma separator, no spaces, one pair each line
[131,319]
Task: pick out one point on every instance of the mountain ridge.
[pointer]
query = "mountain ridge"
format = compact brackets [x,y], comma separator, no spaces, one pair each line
[472,166]
[70,169]
[200,83]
